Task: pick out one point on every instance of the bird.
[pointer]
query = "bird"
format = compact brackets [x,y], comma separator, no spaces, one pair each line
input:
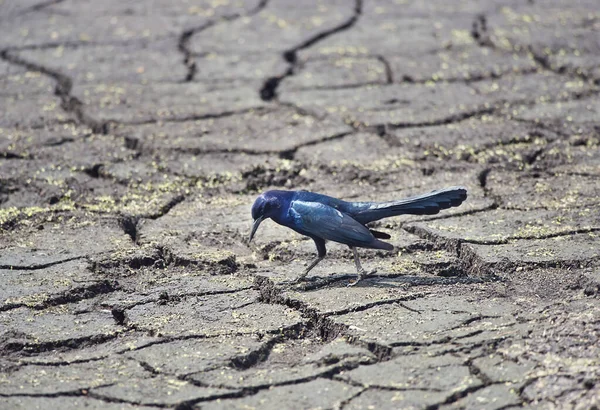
[324,218]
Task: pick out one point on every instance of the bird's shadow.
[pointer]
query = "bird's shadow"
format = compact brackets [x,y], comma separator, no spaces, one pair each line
[383,281]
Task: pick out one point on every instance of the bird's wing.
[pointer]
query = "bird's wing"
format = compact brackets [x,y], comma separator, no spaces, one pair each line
[326,222]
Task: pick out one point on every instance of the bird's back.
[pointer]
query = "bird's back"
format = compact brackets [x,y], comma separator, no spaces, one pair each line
[365,212]
[347,207]
[335,203]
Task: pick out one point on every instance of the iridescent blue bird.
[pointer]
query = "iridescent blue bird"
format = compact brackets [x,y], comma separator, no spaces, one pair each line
[321,218]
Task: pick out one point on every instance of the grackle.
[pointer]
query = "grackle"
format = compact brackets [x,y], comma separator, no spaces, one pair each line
[321,218]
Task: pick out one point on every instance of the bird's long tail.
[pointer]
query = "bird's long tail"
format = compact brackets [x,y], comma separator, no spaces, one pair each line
[426,204]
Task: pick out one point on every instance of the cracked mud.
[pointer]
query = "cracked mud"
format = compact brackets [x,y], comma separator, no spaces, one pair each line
[134,137]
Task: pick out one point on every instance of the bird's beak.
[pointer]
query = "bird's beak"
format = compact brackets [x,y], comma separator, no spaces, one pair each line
[255,227]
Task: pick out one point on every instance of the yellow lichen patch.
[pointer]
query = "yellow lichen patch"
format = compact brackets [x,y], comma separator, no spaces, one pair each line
[28,300]
[228,202]
[13,213]
[540,229]
[53,310]
[450,228]
[462,37]
[541,252]
[381,164]
[215,180]
[214,256]
[404,265]
[344,50]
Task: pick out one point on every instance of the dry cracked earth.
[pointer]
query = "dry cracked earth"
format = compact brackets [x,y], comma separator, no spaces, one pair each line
[135,136]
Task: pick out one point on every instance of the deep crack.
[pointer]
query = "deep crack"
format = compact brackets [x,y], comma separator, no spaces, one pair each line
[268,92]
[183,45]
[64,86]
[71,296]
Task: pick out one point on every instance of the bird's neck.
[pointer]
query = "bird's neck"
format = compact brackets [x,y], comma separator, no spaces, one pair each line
[284,198]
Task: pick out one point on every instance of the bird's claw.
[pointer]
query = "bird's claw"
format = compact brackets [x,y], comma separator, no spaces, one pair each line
[352,283]
[299,279]
[361,276]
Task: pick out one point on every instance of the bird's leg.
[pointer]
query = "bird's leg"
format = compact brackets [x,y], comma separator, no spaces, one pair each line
[313,263]
[361,271]
[321,252]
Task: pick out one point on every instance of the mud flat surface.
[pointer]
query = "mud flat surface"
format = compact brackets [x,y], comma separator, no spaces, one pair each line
[136,135]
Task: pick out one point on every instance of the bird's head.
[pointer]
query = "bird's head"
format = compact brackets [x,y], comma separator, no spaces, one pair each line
[266,206]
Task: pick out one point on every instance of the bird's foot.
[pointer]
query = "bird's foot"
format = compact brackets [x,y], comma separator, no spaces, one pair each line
[361,275]
[301,278]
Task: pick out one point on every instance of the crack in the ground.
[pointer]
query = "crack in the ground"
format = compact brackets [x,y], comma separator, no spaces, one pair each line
[61,141]
[68,393]
[389,73]
[253,390]
[543,61]
[142,42]
[403,280]
[64,85]
[13,155]
[130,225]
[120,309]
[340,86]
[33,8]
[477,372]
[148,367]
[482,178]
[32,348]
[268,91]
[270,294]
[473,264]
[451,119]
[446,340]
[109,399]
[287,153]
[473,319]
[354,383]
[169,339]
[481,34]
[303,111]
[366,306]
[333,370]
[389,80]
[490,344]
[166,208]
[42,5]
[509,239]
[457,395]
[60,363]
[485,109]
[319,324]
[456,242]
[162,257]
[291,152]
[348,400]
[38,266]
[552,127]
[71,296]
[261,354]
[183,45]
[190,118]
[533,138]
